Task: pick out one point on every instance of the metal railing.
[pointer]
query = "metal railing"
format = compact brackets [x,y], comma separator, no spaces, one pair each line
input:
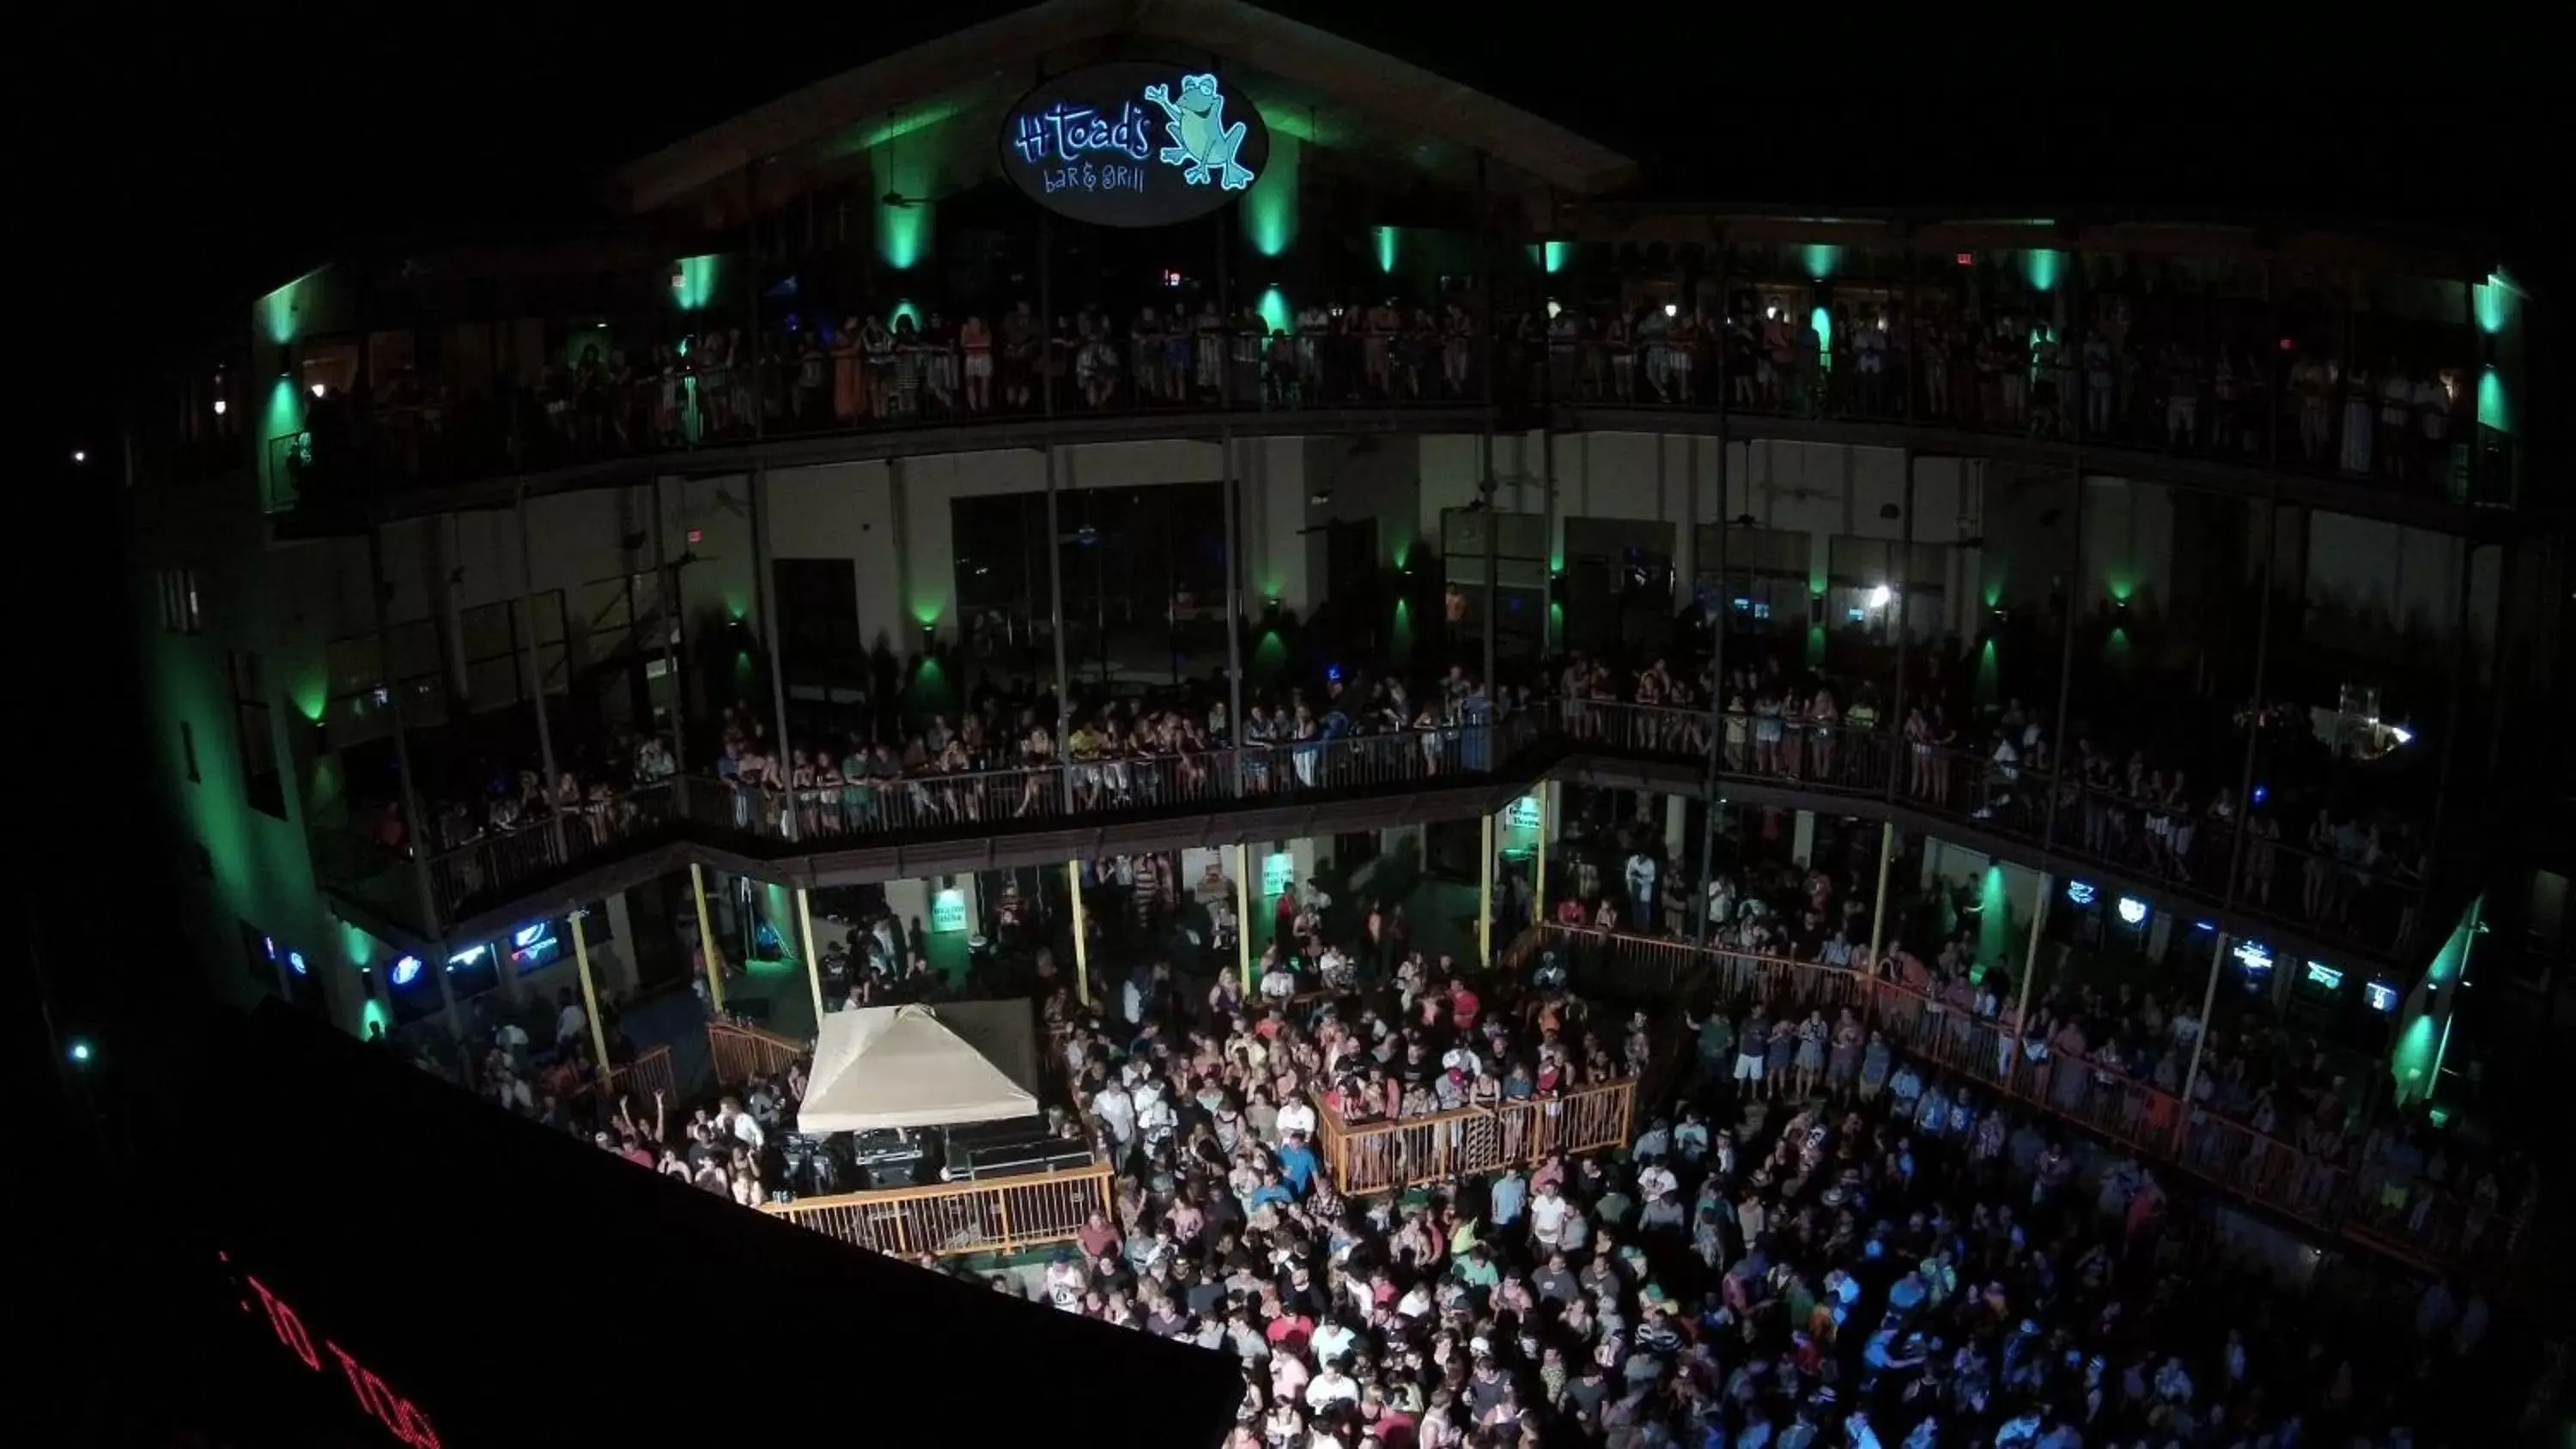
[501,861]
[944,1220]
[1407,1152]
[2426,1225]
[2335,897]
[908,804]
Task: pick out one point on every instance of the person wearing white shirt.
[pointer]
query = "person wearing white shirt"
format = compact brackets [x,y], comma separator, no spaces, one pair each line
[1548,1213]
[1117,1112]
[570,1020]
[1641,889]
[1330,1386]
[1278,982]
[739,1122]
[1330,1341]
[1296,1115]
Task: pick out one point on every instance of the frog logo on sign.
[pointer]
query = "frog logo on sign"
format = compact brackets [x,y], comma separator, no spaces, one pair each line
[1134,145]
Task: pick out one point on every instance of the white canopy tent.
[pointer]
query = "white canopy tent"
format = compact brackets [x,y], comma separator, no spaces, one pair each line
[904,1066]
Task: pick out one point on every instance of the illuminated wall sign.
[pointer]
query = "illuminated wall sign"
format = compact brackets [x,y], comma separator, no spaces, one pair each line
[2254,956]
[2132,911]
[1278,873]
[2325,975]
[948,912]
[1134,144]
[1524,813]
[2381,995]
[2079,892]
[406,971]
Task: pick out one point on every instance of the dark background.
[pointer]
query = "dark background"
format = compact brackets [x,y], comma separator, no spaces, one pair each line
[173,165]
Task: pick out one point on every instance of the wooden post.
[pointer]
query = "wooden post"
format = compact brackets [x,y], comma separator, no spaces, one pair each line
[1081,942]
[1243,916]
[1538,883]
[1878,919]
[1485,894]
[707,939]
[813,963]
[589,994]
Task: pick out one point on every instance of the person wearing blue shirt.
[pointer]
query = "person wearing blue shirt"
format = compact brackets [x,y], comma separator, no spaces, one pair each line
[1272,1190]
[1510,1195]
[1297,1163]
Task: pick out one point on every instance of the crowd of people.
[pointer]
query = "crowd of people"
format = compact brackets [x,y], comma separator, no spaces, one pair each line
[2151,370]
[2135,796]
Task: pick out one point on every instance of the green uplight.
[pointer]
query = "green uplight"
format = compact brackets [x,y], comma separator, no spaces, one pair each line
[903,232]
[373,1015]
[2120,588]
[1822,259]
[80,1052]
[1270,206]
[903,308]
[1823,322]
[1389,241]
[360,946]
[1276,314]
[694,282]
[2494,299]
[2039,268]
[1551,256]
[1815,646]
[2493,411]
[1994,917]
[2116,648]
[1989,675]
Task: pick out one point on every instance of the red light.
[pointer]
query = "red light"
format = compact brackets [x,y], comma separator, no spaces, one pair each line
[697,535]
[400,1417]
[2289,346]
[1967,259]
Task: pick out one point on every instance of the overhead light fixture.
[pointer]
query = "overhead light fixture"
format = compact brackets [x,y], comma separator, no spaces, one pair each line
[219,407]
[1879,596]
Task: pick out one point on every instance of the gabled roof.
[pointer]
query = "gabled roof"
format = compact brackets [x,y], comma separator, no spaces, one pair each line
[1311,76]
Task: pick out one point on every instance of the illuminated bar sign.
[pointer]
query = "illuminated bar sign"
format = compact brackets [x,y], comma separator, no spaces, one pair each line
[1134,144]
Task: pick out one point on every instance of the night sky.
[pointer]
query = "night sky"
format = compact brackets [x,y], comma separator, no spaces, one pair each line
[184,169]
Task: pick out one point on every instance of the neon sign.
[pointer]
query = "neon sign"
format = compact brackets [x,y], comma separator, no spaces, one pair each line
[1134,144]
[401,1417]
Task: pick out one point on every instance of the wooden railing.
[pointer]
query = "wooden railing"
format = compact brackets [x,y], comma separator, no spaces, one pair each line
[1374,1157]
[1000,1215]
[741,1053]
[2429,1229]
[636,1081]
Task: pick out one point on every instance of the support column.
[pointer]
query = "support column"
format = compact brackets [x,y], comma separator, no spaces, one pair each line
[589,995]
[1546,827]
[1717,652]
[537,687]
[764,591]
[667,579]
[418,827]
[1897,753]
[707,939]
[2030,957]
[1233,618]
[1243,915]
[2191,1075]
[1878,912]
[1485,892]
[1081,936]
[813,962]
[1676,828]
[1802,839]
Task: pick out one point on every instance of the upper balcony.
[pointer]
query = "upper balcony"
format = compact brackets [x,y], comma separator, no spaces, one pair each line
[2237,371]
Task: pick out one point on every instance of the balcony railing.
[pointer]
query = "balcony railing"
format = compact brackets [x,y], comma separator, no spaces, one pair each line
[740,1053]
[1445,1147]
[2366,904]
[2424,1224]
[647,386]
[493,867]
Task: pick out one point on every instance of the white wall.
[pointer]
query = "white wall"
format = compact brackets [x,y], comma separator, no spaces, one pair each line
[2128,544]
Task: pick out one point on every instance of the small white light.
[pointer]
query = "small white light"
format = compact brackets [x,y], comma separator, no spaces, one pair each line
[80,455]
[2402,736]
[319,389]
[2132,910]
[219,407]
[1672,309]
[1879,596]
[1554,309]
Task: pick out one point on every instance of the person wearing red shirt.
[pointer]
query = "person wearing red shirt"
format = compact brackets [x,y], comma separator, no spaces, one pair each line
[1463,1007]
